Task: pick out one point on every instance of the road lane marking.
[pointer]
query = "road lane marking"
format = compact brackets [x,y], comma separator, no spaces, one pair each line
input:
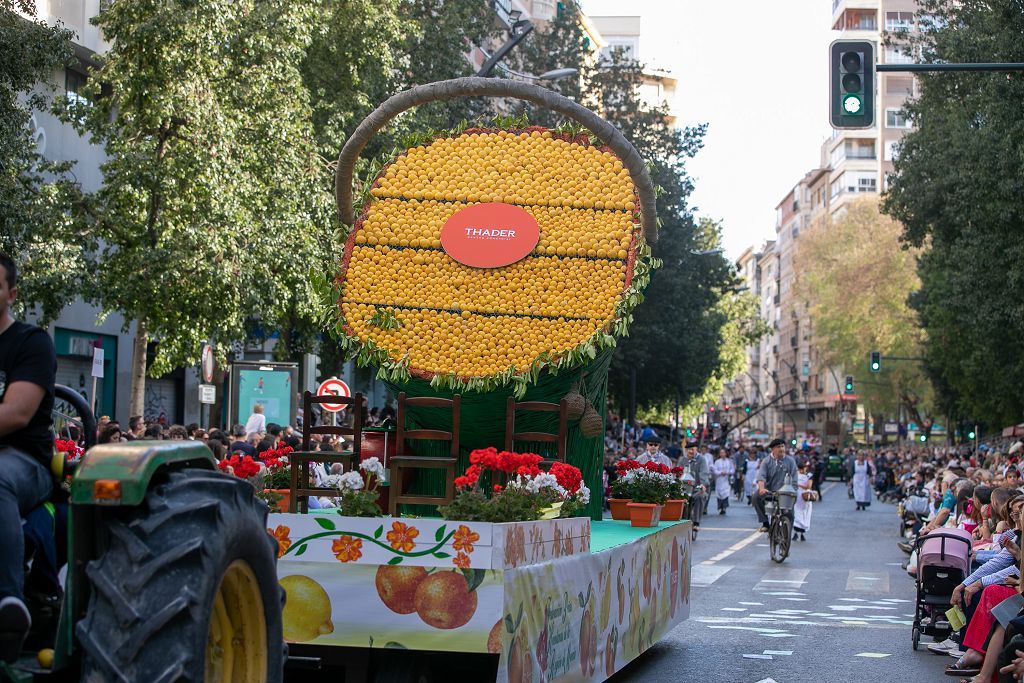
[873,655]
[780,653]
[735,547]
[758,657]
[829,488]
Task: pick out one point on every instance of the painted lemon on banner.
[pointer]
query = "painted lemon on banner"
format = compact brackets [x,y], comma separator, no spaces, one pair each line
[396,586]
[443,600]
[406,293]
[307,609]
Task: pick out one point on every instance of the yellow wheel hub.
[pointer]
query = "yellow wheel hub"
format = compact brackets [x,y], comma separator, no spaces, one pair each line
[236,644]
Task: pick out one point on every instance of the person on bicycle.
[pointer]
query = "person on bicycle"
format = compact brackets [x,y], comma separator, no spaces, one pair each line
[771,476]
[28,368]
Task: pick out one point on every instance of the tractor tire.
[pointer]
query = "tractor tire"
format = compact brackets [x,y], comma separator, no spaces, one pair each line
[187,588]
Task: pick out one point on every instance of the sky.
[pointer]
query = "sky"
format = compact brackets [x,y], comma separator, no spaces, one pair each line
[757,74]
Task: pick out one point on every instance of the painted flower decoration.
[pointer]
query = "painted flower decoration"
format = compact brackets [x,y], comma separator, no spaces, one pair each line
[461,560]
[283,541]
[347,549]
[464,539]
[402,537]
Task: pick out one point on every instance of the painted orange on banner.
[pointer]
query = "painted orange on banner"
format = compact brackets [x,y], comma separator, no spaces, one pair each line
[490,235]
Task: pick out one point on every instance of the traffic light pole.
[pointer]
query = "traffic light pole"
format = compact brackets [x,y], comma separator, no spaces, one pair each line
[976,66]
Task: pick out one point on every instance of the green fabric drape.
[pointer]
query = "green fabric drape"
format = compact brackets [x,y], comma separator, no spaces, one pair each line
[482,424]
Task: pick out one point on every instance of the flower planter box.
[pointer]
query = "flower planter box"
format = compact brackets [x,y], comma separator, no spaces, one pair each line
[644,514]
[619,509]
[330,537]
[672,511]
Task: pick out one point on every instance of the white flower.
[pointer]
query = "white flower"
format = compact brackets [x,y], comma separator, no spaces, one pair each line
[372,466]
[350,480]
[583,494]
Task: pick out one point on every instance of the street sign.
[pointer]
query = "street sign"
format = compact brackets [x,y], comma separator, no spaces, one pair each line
[97,361]
[333,387]
[207,363]
[207,394]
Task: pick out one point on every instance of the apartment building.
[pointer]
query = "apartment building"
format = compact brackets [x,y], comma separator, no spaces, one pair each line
[657,87]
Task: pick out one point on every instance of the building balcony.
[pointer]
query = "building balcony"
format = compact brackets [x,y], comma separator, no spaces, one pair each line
[839,7]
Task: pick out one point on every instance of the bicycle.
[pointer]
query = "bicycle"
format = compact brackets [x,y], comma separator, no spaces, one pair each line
[780,529]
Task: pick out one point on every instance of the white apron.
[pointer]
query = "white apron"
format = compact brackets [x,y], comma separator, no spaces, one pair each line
[750,476]
[802,511]
[722,469]
[861,482]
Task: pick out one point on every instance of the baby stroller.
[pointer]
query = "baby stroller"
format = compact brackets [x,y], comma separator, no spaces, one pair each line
[943,561]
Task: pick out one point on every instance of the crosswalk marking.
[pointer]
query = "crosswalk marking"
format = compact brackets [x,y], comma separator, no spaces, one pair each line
[867,582]
[783,577]
[704,575]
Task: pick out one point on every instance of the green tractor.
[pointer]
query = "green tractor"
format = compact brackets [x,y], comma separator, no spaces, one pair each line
[171,574]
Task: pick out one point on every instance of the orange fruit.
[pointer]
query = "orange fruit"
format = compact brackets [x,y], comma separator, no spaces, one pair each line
[396,586]
[443,600]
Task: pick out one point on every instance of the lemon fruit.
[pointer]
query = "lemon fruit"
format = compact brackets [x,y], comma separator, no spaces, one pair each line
[479,322]
[45,658]
[307,609]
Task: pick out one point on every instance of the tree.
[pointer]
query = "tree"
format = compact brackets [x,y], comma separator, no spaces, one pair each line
[856,278]
[212,178]
[684,337]
[958,179]
[35,226]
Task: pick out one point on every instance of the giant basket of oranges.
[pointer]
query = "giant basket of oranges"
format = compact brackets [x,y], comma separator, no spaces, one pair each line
[408,307]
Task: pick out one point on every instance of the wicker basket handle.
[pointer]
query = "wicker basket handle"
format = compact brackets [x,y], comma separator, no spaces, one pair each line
[474,86]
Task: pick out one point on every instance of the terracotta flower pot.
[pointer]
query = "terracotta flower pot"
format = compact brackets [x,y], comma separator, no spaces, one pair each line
[672,511]
[619,509]
[286,499]
[644,514]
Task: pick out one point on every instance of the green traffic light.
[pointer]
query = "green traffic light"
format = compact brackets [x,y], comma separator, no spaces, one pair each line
[852,105]
[746,410]
[970,435]
[792,442]
[874,367]
[923,438]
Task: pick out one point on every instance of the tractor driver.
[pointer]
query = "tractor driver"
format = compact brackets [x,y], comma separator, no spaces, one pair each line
[28,367]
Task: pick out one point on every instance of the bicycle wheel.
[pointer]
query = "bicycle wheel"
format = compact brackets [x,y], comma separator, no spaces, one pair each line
[776,533]
[787,535]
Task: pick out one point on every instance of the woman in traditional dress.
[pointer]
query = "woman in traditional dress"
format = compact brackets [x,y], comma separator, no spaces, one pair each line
[863,475]
[802,511]
[723,469]
[750,466]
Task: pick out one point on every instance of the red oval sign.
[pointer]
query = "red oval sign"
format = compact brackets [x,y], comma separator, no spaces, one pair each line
[490,235]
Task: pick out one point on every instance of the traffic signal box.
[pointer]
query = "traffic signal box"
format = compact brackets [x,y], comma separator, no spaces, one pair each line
[849,384]
[876,361]
[852,84]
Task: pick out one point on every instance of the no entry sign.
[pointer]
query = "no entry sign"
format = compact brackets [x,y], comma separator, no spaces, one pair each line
[333,387]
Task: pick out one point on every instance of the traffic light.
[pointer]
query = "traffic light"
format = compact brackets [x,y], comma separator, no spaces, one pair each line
[792,442]
[876,361]
[971,434]
[726,407]
[852,84]
[849,384]
[711,409]
[923,438]
[746,409]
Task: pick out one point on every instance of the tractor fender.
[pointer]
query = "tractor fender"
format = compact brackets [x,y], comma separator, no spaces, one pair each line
[132,465]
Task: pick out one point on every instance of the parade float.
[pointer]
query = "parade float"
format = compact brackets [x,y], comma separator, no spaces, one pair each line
[486,274]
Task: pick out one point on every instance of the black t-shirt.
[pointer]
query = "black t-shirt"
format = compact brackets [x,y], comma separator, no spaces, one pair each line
[27,355]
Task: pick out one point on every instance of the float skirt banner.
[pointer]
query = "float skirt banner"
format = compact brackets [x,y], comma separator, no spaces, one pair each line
[584,617]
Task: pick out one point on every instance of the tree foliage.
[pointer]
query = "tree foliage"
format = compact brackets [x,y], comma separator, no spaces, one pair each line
[212,180]
[958,180]
[856,279]
[35,228]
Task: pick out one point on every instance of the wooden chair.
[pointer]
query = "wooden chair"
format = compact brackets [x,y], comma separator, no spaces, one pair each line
[404,460]
[559,439]
[301,486]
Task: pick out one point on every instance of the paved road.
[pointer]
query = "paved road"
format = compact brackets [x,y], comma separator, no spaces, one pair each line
[838,609]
